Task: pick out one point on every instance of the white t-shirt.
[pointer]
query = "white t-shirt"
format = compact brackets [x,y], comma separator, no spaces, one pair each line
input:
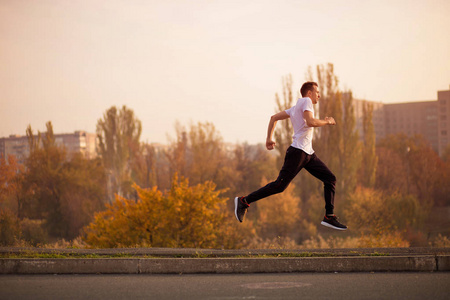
[303,134]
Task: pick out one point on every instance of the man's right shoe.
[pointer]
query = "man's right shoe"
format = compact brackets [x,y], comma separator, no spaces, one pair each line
[333,222]
[240,208]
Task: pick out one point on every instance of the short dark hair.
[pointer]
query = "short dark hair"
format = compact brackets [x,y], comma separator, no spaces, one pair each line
[307,86]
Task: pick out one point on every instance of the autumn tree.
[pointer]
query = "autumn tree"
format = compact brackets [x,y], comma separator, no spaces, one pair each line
[199,154]
[118,133]
[391,216]
[179,153]
[252,163]
[279,215]
[11,177]
[184,216]
[417,169]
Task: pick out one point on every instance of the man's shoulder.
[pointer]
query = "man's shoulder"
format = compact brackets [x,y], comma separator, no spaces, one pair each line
[304,103]
[304,100]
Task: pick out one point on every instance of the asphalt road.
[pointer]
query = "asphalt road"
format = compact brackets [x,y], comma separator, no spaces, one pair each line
[234,286]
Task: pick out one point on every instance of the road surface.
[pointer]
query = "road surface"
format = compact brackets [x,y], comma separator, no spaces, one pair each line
[233,286]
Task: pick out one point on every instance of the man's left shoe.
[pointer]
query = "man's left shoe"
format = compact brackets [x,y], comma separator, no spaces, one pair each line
[240,208]
[333,222]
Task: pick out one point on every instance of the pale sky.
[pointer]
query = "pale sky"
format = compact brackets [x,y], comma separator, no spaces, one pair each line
[68,61]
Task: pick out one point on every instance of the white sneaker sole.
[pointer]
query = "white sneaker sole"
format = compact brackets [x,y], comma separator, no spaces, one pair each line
[331,226]
[235,208]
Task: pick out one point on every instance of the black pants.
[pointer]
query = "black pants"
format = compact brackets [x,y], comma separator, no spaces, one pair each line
[294,161]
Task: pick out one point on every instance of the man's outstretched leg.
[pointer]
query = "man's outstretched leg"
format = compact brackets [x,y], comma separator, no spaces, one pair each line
[294,161]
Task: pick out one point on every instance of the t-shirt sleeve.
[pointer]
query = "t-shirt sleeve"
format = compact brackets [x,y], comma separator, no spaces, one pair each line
[290,111]
[308,106]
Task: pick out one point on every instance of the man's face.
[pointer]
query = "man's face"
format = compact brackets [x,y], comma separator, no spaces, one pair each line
[314,94]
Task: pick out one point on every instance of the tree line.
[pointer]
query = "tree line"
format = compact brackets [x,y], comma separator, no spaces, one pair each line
[137,194]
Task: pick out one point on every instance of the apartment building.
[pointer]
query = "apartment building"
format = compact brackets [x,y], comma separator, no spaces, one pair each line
[428,118]
[443,120]
[79,141]
[413,118]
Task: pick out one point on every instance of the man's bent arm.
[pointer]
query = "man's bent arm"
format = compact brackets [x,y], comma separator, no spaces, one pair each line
[313,122]
[270,144]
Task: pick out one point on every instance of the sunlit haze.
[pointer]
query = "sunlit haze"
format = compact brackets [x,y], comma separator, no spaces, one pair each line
[68,61]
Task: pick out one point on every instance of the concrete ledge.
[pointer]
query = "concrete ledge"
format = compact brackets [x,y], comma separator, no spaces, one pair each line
[68,266]
[443,262]
[223,265]
[287,265]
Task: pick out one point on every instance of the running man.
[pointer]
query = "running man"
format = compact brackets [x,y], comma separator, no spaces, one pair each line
[298,156]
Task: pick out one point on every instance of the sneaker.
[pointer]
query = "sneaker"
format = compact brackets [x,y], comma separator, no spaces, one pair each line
[240,208]
[333,222]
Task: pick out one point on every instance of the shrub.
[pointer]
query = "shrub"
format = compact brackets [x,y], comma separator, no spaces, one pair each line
[184,216]
[33,232]
[9,228]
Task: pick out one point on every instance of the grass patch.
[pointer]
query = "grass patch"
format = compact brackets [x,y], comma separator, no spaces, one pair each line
[65,255]
[376,254]
[68,255]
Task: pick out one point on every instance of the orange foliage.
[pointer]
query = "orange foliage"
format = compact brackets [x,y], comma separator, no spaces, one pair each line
[184,216]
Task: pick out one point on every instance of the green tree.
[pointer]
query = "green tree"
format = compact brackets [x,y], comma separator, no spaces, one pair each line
[144,169]
[9,228]
[338,146]
[119,132]
[349,156]
[44,181]
[369,156]
[329,105]
[284,131]
[64,191]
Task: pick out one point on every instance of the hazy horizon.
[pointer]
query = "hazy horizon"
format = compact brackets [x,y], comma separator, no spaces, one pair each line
[218,61]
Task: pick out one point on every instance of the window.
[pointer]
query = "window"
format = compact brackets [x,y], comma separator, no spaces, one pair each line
[444,132]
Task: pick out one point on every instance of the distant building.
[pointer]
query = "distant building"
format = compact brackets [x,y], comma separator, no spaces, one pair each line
[428,118]
[413,118]
[77,142]
[443,120]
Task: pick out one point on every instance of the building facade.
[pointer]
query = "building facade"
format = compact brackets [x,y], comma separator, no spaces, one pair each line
[413,118]
[444,120]
[430,119]
[77,142]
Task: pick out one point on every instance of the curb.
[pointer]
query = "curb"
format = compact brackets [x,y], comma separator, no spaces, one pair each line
[426,263]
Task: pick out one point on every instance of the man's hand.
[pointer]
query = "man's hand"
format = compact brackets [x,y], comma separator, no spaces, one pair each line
[270,145]
[330,120]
